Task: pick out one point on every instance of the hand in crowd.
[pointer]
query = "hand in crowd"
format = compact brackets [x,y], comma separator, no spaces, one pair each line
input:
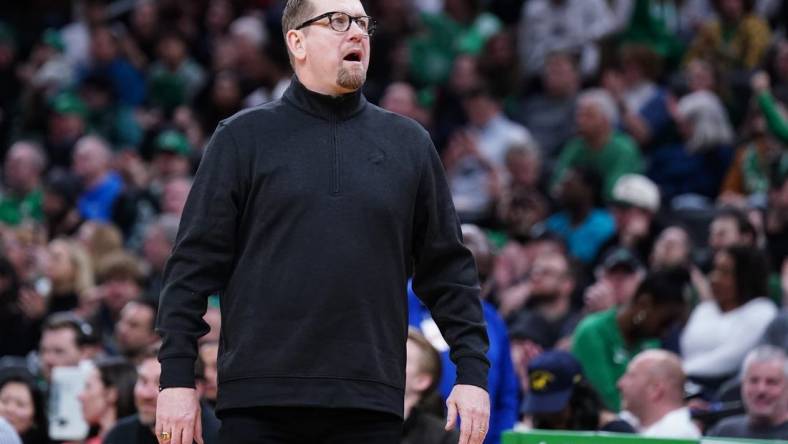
[473,405]
[523,351]
[461,144]
[32,304]
[133,169]
[513,298]
[701,284]
[185,119]
[599,297]
[510,264]
[148,119]
[760,82]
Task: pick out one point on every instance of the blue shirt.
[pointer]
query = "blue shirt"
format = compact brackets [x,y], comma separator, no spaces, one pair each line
[585,239]
[502,381]
[97,202]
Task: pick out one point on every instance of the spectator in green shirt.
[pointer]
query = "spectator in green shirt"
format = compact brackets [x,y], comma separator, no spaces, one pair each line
[775,121]
[21,197]
[463,27]
[599,145]
[605,342]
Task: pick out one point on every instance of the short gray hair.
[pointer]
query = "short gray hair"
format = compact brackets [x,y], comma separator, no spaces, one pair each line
[103,147]
[603,100]
[295,13]
[711,126]
[766,353]
[39,157]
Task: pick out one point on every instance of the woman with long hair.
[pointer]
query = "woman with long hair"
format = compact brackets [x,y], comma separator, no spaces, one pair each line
[69,272]
[22,405]
[720,331]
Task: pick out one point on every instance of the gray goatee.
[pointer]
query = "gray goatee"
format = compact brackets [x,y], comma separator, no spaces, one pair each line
[351,78]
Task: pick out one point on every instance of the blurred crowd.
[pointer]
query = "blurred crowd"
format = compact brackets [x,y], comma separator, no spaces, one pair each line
[619,168]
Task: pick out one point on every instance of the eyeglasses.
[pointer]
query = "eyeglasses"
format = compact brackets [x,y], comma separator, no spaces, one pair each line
[340,22]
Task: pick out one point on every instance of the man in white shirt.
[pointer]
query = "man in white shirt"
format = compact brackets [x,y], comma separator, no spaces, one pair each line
[652,390]
[567,25]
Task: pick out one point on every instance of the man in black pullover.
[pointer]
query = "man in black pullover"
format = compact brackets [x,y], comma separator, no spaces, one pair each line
[307,216]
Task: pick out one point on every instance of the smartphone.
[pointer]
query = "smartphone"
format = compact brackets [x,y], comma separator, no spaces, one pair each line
[66,422]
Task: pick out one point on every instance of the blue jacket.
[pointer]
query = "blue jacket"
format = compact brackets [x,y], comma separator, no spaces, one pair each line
[502,381]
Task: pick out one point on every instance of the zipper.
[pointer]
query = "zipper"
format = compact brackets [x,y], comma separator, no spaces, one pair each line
[336,184]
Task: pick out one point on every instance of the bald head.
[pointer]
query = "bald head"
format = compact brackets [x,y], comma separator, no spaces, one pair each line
[662,365]
[652,386]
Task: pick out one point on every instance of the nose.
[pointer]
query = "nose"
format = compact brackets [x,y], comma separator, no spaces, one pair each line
[151,393]
[355,31]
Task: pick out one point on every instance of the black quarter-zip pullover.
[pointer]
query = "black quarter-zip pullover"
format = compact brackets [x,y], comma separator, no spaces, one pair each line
[308,215]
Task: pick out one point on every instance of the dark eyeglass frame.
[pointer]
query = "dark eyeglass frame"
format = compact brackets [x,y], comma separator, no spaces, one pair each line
[370,25]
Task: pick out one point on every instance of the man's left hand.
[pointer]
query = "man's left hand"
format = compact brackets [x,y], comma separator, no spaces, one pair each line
[473,405]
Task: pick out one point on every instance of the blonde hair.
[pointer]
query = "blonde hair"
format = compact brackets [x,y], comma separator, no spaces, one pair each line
[430,360]
[84,277]
[103,241]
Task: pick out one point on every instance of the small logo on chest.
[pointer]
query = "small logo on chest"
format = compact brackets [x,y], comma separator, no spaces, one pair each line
[377,156]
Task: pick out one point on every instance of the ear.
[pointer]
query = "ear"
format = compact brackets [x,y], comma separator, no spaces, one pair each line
[654,390]
[296,44]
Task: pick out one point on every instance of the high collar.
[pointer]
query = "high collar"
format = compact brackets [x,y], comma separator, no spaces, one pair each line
[326,107]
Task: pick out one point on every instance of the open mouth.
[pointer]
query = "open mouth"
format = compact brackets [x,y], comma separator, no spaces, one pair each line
[353,56]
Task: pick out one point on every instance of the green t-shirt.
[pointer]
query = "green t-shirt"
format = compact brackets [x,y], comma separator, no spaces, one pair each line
[433,50]
[618,157]
[774,120]
[13,210]
[601,350]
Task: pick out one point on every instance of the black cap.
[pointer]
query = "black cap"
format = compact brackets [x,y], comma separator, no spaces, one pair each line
[530,325]
[621,259]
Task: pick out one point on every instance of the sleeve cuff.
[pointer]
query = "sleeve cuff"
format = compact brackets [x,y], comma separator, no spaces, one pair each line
[472,371]
[177,372]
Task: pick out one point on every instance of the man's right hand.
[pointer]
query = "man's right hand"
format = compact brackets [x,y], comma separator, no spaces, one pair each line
[178,415]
